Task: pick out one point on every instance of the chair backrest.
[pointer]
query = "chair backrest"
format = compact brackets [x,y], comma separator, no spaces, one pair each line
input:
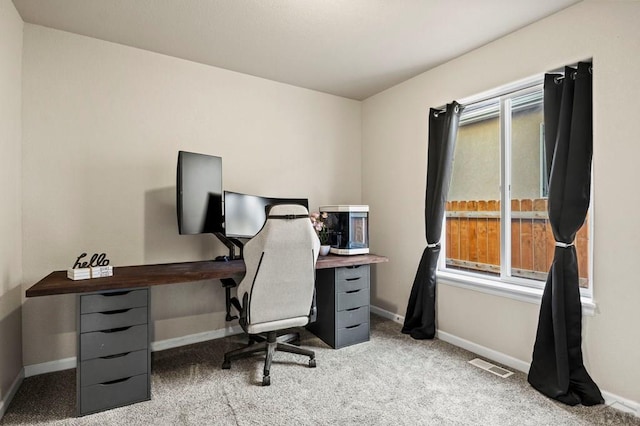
[280,262]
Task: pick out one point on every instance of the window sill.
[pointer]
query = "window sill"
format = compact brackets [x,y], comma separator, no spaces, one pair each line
[502,289]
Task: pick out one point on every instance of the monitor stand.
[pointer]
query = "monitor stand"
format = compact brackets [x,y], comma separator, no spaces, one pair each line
[231,244]
[229,283]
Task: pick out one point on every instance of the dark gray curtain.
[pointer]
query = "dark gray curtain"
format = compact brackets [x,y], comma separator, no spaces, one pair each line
[443,129]
[557,368]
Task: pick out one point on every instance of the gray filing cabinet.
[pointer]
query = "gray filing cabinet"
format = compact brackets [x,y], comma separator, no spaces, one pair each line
[113,363]
[342,299]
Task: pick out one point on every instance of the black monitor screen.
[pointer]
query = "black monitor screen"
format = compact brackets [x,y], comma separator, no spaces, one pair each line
[245,214]
[199,193]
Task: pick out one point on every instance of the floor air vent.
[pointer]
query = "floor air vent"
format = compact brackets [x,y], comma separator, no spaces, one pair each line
[498,371]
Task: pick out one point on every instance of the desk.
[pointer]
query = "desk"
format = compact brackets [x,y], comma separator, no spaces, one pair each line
[113,350]
[143,276]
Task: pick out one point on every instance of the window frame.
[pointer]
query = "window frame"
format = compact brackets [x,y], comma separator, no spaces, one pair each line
[506,285]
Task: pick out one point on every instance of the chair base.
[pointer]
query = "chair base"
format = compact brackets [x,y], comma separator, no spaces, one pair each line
[269,344]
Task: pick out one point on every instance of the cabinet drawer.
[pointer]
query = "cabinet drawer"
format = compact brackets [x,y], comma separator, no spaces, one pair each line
[352,299]
[104,343]
[352,278]
[352,335]
[113,301]
[110,395]
[100,370]
[351,317]
[113,319]
[354,283]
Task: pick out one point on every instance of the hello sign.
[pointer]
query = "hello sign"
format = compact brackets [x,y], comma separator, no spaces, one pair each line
[96,260]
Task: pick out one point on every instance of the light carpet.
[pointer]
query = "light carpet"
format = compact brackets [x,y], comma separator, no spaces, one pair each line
[391,380]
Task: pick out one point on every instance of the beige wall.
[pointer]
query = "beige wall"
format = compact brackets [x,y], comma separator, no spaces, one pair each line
[102,127]
[11,204]
[394,161]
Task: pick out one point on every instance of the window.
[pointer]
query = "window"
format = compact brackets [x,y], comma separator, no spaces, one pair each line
[500,156]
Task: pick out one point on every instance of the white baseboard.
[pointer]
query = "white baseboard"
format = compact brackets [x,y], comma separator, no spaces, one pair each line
[6,400]
[50,366]
[386,314]
[622,404]
[161,345]
[610,399]
[67,363]
[483,351]
[462,343]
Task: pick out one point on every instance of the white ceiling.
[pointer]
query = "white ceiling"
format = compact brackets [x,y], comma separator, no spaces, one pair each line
[350,48]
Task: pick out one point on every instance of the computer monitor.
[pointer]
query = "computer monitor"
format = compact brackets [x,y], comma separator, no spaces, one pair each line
[199,193]
[244,214]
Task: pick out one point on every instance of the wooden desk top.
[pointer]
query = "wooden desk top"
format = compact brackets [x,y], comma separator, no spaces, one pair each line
[126,277]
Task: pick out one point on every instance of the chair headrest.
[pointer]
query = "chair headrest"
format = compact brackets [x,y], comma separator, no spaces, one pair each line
[287,211]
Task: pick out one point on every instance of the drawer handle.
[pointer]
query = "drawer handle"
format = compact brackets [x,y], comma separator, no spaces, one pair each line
[353,267]
[353,309]
[354,326]
[115,330]
[113,382]
[119,311]
[115,356]
[353,279]
[352,291]
[115,293]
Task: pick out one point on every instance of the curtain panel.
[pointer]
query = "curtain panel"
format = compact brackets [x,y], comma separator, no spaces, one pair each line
[420,318]
[557,368]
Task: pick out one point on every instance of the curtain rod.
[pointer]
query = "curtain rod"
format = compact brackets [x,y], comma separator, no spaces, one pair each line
[559,78]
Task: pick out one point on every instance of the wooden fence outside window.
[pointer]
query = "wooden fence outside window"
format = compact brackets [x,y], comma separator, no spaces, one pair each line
[473,238]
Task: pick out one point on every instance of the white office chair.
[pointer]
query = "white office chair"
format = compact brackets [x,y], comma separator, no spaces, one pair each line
[277,291]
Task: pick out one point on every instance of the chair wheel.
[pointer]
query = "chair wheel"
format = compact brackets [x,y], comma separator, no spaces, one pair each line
[226,365]
[266,380]
[312,363]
